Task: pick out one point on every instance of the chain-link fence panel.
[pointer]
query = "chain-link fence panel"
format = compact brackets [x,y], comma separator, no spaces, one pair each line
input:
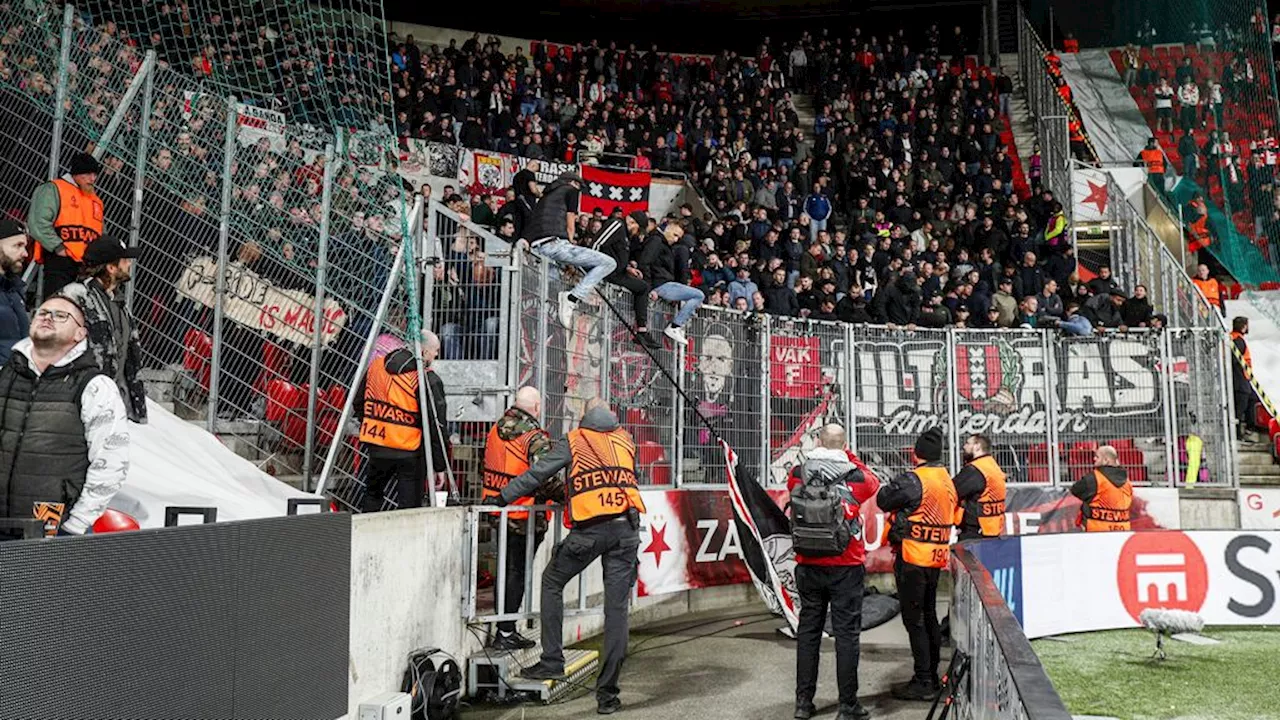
[900,386]
[805,388]
[1198,372]
[724,381]
[1110,391]
[1003,391]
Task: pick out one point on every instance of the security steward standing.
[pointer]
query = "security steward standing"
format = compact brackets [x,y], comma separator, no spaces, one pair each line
[1210,287]
[925,507]
[515,442]
[980,487]
[1106,495]
[1152,158]
[65,217]
[602,510]
[1241,378]
[836,581]
[391,426]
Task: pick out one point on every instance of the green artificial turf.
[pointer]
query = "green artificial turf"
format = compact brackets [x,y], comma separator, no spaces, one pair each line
[1111,674]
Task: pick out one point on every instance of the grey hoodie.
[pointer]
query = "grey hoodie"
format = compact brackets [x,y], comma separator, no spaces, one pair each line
[555,460]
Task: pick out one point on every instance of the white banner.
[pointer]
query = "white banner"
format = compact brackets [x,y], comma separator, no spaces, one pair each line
[1096,581]
[253,301]
[1089,191]
[255,123]
[1260,509]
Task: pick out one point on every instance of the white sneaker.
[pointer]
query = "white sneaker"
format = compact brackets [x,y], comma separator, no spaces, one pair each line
[566,310]
[677,336]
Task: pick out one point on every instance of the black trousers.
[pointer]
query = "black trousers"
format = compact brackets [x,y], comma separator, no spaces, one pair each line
[59,272]
[399,477]
[617,542]
[513,594]
[839,588]
[918,595]
[639,290]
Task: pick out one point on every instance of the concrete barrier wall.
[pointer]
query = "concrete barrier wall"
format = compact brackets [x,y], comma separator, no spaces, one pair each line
[407,577]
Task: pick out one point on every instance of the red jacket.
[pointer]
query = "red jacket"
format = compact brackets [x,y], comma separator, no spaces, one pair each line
[856,553]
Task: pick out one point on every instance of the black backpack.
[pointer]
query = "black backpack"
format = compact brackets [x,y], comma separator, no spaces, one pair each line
[819,527]
[434,681]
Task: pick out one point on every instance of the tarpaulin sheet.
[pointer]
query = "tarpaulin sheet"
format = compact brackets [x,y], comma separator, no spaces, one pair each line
[175,463]
[1111,118]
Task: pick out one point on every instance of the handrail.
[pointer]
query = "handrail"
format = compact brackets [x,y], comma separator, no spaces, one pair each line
[1031,685]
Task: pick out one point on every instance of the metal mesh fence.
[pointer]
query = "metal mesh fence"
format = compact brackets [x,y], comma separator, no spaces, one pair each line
[899,380]
[724,372]
[806,370]
[266,242]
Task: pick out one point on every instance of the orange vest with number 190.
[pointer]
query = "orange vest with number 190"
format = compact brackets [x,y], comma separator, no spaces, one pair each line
[928,539]
[602,475]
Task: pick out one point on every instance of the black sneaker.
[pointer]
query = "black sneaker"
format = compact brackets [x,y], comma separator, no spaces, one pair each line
[857,712]
[511,643]
[608,707]
[542,672]
[804,712]
[647,340]
[914,691]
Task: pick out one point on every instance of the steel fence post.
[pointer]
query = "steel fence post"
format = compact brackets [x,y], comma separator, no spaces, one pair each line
[140,168]
[1227,406]
[1171,430]
[1050,351]
[766,339]
[677,416]
[318,316]
[220,283]
[953,402]
[59,109]
[850,381]
[542,340]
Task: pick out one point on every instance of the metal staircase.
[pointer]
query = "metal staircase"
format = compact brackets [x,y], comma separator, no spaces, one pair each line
[497,674]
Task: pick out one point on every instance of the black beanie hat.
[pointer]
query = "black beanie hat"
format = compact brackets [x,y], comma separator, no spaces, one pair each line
[929,445]
[641,218]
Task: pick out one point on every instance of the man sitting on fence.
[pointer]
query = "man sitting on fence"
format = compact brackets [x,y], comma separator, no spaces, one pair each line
[550,234]
[614,240]
[658,264]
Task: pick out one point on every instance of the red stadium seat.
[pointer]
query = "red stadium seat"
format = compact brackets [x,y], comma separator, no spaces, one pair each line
[1261,417]
[197,350]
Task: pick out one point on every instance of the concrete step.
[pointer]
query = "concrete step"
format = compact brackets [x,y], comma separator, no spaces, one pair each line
[1247,480]
[1261,461]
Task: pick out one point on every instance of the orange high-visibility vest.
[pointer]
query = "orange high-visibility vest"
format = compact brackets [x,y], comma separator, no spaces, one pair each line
[991,501]
[79,220]
[1108,511]
[1070,45]
[928,532]
[1211,289]
[602,478]
[504,460]
[391,415]
[1154,160]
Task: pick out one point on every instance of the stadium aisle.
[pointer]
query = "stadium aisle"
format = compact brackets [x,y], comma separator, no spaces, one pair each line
[1264,336]
[704,666]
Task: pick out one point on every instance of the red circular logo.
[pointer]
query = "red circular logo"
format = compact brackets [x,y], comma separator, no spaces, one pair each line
[1161,570]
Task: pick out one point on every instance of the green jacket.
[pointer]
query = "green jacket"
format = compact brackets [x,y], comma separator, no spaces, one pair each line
[45,205]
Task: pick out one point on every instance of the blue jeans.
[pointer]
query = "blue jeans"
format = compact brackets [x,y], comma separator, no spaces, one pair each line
[1077,325]
[597,265]
[764,161]
[528,108]
[690,299]
[815,227]
[451,341]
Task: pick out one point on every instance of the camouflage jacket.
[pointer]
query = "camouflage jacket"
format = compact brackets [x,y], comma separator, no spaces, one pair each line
[514,423]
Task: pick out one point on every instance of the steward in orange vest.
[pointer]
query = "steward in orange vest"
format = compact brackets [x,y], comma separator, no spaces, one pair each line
[64,218]
[980,487]
[391,426]
[1070,44]
[1106,495]
[603,508]
[925,508]
[1210,287]
[1242,378]
[1152,159]
[515,442]
[1198,235]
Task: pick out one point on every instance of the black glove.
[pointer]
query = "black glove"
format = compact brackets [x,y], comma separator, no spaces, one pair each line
[500,501]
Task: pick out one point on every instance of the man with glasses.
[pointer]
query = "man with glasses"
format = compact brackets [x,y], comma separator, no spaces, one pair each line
[64,435]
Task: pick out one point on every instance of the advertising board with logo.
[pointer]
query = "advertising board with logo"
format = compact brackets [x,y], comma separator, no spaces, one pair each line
[1084,582]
